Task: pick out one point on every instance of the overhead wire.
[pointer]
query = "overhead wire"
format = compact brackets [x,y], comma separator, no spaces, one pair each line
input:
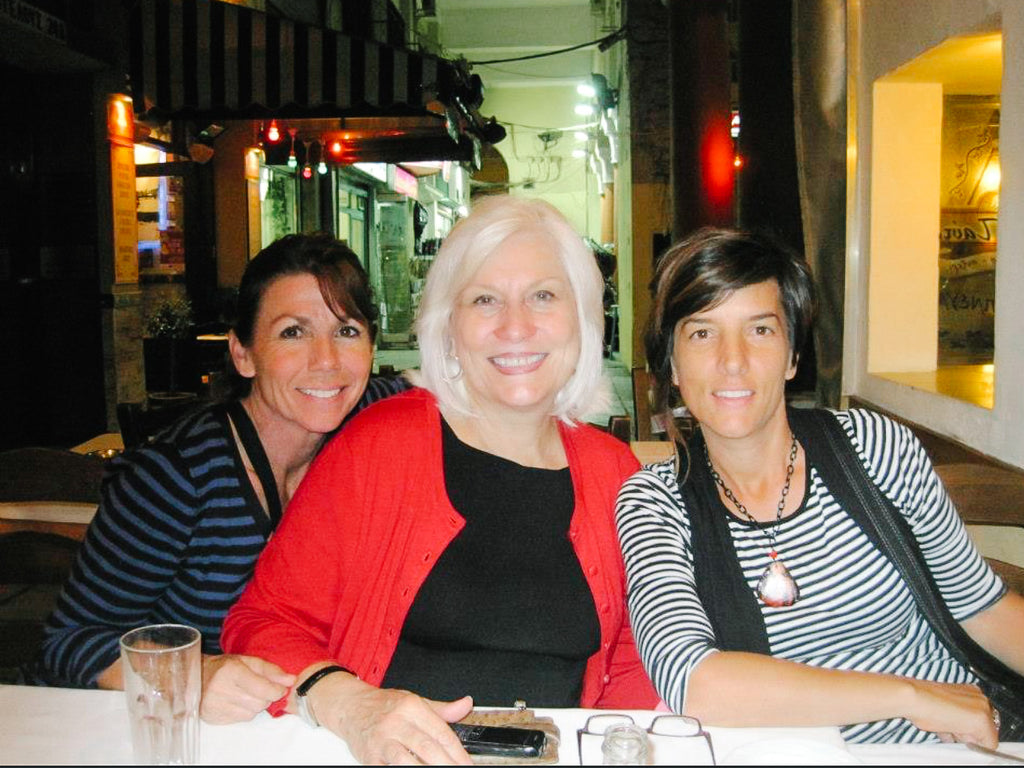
[534,77]
[606,40]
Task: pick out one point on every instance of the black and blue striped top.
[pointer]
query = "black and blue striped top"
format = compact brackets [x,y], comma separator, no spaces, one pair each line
[854,612]
[175,540]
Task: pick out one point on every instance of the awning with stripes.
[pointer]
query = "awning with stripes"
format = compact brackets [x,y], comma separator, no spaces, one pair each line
[205,59]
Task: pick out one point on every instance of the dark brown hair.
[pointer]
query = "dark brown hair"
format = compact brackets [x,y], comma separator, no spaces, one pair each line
[343,283]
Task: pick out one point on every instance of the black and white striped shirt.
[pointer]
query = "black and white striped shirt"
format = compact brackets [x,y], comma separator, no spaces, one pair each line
[854,611]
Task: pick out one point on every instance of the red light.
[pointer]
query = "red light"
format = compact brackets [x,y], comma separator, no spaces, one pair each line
[307,172]
[273,132]
[336,147]
[718,170]
[737,162]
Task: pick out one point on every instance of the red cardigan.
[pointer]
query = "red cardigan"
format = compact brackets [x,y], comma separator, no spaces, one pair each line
[368,523]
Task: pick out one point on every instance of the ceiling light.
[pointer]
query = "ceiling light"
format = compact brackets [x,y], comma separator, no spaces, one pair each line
[293,162]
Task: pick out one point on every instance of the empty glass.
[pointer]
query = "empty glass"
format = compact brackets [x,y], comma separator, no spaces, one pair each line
[163,682]
[624,745]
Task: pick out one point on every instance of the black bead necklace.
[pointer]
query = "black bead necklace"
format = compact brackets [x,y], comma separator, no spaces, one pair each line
[776,587]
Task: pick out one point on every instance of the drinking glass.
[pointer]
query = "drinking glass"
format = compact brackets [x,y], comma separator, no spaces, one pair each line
[162,683]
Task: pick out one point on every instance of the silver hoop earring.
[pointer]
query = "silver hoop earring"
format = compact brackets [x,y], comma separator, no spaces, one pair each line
[451,369]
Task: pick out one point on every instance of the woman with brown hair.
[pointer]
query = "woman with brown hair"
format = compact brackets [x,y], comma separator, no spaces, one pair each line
[183,518]
[796,567]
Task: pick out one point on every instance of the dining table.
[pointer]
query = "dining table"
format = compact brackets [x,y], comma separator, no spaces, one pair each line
[62,726]
[103,445]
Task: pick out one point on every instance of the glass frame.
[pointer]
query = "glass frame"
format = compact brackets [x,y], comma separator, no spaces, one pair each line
[613,718]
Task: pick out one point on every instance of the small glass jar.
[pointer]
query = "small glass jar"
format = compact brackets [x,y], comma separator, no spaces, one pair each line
[625,745]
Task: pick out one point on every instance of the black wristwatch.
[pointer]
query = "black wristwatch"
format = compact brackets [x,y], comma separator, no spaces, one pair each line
[302,703]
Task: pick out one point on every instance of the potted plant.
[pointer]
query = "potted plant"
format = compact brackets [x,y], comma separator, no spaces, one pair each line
[168,347]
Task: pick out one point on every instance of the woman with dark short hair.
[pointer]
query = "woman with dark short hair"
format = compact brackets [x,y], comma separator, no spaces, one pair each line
[760,590]
[183,518]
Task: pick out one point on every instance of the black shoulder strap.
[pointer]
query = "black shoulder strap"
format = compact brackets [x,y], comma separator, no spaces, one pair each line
[829,449]
[254,448]
[728,601]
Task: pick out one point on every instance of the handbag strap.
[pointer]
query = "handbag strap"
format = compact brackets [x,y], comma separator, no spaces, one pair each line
[258,456]
[848,480]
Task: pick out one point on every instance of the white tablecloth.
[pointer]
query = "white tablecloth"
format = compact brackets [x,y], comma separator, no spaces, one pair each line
[63,726]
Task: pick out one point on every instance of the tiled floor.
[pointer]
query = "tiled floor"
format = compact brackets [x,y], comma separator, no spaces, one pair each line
[618,375]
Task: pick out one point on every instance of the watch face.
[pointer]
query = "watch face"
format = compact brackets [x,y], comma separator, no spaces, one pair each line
[305,712]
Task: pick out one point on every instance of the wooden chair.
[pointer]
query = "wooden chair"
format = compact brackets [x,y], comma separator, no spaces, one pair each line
[985,494]
[47,500]
[620,427]
[48,491]
[140,422]
[642,405]
[648,427]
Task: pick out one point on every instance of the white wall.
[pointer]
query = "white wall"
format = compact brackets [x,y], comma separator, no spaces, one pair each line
[532,96]
[556,176]
[884,36]
[903,307]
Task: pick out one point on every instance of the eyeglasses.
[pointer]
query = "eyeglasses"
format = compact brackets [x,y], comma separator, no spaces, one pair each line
[673,739]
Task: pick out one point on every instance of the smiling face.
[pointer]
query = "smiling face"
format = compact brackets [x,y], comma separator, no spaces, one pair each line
[308,367]
[515,330]
[731,363]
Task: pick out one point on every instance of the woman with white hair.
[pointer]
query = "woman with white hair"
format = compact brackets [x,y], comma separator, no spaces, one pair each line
[456,544]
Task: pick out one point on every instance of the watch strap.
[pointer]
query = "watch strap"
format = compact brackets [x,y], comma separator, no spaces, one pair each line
[302,703]
[319,675]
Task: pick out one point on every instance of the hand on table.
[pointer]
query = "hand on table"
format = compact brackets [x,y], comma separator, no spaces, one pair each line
[956,712]
[388,726]
[237,688]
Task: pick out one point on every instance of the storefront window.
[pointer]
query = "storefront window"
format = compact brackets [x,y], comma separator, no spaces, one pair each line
[160,211]
[395,247]
[934,215]
[278,209]
[351,223]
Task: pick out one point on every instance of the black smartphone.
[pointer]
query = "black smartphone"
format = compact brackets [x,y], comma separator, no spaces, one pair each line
[499,741]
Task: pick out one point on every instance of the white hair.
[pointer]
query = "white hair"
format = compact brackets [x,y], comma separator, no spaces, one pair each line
[471,241]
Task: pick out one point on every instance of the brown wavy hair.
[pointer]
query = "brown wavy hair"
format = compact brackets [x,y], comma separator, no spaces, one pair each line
[343,284]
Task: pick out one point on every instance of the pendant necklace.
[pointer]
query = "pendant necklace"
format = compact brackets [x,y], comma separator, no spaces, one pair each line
[776,587]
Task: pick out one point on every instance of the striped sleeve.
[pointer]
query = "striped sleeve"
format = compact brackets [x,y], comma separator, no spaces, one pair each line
[672,631]
[898,463]
[130,556]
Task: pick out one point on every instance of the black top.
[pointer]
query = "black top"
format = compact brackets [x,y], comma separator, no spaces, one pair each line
[506,613]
